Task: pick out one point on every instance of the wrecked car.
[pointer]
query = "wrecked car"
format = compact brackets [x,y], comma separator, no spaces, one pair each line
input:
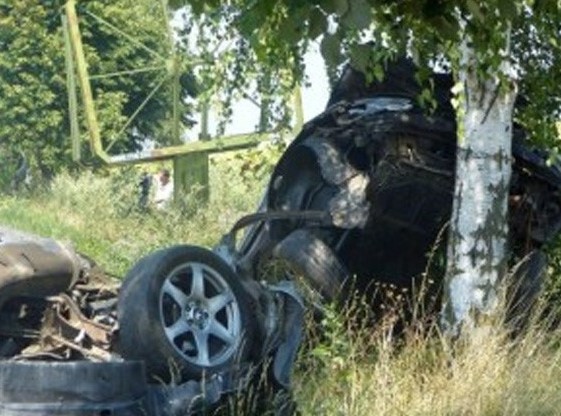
[362,193]
[176,337]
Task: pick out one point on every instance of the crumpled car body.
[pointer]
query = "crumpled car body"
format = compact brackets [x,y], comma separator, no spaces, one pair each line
[74,341]
[364,192]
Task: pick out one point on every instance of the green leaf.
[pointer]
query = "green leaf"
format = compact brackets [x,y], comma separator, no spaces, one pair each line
[507,9]
[338,7]
[317,24]
[360,56]
[359,15]
[291,30]
[378,72]
[547,6]
[475,10]
[448,29]
[177,4]
[331,49]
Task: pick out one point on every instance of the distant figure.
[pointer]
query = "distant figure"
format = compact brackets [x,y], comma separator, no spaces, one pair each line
[164,190]
[21,177]
[145,185]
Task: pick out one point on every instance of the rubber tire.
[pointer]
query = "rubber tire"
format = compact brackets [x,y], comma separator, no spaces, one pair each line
[141,335]
[72,388]
[315,260]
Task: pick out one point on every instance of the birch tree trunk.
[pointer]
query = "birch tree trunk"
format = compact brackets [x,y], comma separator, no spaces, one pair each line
[477,245]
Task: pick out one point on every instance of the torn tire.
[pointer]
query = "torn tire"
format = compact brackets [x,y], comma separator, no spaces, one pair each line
[315,260]
[72,388]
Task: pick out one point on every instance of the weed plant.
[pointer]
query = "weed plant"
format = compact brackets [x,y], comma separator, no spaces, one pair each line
[349,368]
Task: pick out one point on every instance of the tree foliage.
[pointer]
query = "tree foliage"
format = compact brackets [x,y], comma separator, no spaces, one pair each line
[228,69]
[279,32]
[33,95]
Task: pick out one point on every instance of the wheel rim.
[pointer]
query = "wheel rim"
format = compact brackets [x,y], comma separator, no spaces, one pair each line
[200,315]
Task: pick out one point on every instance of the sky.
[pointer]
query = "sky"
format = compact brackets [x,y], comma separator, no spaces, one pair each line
[245,116]
[314,97]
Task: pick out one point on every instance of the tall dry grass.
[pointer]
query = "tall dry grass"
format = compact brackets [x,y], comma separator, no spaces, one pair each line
[376,370]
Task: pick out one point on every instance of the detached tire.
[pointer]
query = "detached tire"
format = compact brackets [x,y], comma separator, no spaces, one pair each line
[315,260]
[183,311]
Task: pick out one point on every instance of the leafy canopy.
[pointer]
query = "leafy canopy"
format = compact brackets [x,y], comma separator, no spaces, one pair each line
[33,94]
[525,32]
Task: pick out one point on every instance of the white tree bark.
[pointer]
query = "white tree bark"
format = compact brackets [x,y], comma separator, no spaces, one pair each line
[477,246]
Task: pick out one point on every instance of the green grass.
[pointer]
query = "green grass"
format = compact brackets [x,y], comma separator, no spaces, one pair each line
[350,369]
[99,217]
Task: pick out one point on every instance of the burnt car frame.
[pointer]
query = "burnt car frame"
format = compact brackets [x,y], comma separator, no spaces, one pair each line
[363,191]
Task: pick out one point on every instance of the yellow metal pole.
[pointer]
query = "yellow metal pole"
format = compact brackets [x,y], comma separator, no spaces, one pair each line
[72,93]
[83,79]
[176,130]
[298,109]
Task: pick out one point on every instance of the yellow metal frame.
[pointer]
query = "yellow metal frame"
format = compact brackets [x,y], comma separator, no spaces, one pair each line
[199,149]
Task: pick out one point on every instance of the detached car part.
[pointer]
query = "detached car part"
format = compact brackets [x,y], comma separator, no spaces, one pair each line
[180,333]
[183,309]
[51,266]
[72,388]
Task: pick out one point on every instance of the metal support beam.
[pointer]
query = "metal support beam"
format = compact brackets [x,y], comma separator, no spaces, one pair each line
[238,142]
[205,111]
[190,160]
[176,117]
[85,87]
[298,109]
[72,93]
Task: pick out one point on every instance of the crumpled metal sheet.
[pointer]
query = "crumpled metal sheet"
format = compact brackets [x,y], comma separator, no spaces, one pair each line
[58,305]
[291,331]
[334,169]
[65,326]
[34,266]
[349,208]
